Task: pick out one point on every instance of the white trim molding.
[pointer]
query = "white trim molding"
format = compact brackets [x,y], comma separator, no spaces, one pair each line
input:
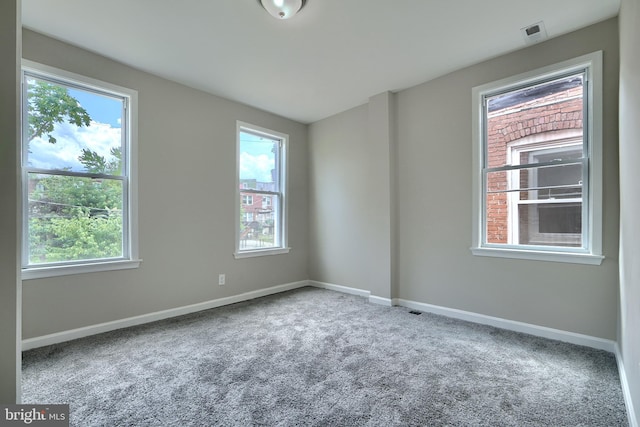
[340,288]
[512,325]
[279,192]
[129,258]
[575,258]
[86,331]
[626,392]
[590,66]
[381,301]
[89,267]
[373,299]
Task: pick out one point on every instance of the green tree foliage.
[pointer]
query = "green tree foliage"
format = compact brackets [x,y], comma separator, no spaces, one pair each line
[49,104]
[71,218]
[95,163]
[75,218]
[78,237]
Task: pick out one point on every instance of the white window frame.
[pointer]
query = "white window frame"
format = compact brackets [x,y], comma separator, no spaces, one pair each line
[247,199]
[539,142]
[130,258]
[591,252]
[280,208]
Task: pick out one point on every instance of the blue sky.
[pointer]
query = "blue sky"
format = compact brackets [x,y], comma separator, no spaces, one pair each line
[102,109]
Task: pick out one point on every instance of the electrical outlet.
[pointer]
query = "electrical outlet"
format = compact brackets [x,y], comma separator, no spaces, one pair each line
[221,279]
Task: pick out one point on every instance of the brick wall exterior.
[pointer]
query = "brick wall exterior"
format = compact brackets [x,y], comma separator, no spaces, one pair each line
[258,206]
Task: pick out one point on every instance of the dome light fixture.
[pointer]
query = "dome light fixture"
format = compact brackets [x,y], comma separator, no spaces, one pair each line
[282,9]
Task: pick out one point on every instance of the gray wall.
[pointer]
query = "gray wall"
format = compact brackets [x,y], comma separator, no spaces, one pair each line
[9,244]
[630,202]
[186,204]
[434,161]
[433,200]
[339,169]
[350,167]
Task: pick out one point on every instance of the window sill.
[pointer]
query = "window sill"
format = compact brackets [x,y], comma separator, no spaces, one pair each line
[261,252]
[568,257]
[67,270]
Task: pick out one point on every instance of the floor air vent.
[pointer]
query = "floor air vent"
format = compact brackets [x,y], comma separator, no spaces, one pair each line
[415,312]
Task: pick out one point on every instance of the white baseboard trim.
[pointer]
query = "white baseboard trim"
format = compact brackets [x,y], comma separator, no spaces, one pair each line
[540,331]
[628,402]
[353,291]
[340,288]
[512,325]
[380,301]
[86,331]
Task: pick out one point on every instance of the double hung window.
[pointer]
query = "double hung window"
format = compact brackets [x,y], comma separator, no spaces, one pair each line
[537,164]
[261,192]
[548,208]
[77,174]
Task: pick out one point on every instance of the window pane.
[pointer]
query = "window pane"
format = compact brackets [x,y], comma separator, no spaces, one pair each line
[519,218]
[555,182]
[258,223]
[261,167]
[559,218]
[551,154]
[538,182]
[258,162]
[73,218]
[535,110]
[538,125]
[72,129]
[550,224]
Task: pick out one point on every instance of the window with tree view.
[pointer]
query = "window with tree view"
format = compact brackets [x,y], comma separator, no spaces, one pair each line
[75,168]
[261,196]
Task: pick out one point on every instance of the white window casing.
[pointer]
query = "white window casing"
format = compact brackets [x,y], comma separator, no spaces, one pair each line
[270,236]
[590,250]
[127,176]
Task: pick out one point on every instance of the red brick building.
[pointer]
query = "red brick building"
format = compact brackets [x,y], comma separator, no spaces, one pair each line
[257,210]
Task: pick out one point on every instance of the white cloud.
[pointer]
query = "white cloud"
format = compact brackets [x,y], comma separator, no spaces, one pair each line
[98,137]
[256,166]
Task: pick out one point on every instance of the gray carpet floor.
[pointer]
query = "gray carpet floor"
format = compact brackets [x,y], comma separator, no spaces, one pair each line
[314,357]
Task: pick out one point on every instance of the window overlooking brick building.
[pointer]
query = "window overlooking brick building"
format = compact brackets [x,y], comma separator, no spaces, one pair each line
[261,174]
[535,162]
[538,164]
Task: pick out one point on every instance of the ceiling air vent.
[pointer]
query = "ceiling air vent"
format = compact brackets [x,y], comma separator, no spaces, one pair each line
[534,33]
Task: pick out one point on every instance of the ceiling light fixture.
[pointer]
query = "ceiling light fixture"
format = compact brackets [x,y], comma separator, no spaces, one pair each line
[282,9]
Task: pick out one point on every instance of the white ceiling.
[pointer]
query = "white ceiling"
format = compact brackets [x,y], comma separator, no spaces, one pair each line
[332,56]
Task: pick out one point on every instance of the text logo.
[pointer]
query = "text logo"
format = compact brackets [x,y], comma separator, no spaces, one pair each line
[34,415]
